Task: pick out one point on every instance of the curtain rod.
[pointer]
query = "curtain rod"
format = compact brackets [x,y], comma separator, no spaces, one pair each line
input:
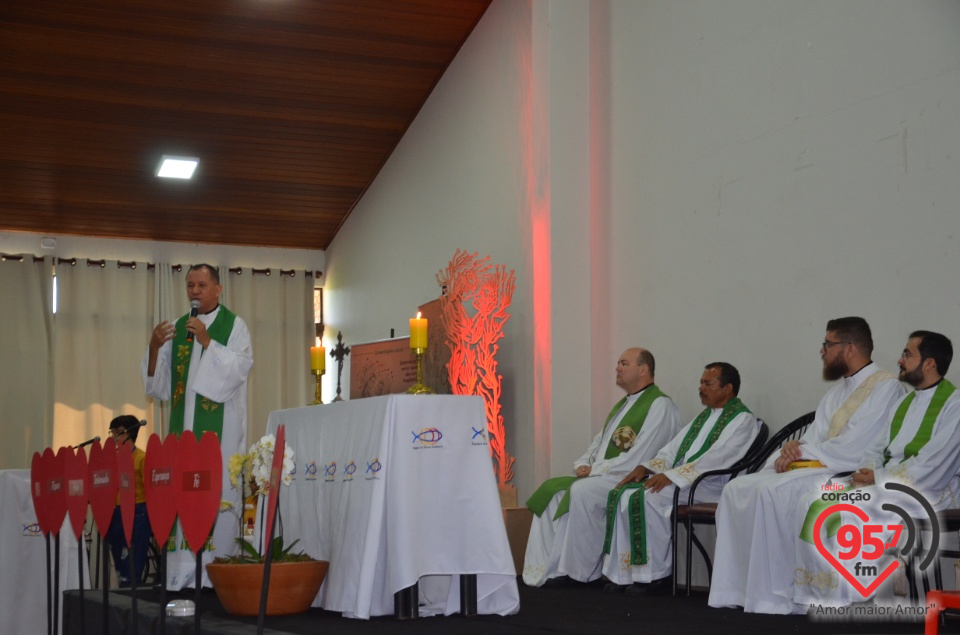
[133,265]
[178,268]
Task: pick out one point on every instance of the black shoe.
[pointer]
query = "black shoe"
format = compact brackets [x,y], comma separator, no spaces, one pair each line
[663,586]
[562,582]
[613,587]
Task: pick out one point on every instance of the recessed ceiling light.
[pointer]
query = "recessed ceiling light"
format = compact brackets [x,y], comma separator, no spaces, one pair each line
[177,167]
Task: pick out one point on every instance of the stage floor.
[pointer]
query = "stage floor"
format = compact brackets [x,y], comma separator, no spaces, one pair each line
[576,609]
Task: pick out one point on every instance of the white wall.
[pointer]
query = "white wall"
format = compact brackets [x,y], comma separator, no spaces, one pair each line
[712,180]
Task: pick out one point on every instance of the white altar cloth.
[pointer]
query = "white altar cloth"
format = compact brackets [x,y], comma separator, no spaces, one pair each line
[396,490]
[23,581]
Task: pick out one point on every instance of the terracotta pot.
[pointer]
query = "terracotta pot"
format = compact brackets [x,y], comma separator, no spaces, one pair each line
[293,586]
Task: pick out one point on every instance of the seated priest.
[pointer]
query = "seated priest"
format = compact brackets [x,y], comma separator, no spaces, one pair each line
[756,531]
[918,452]
[639,533]
[566,537]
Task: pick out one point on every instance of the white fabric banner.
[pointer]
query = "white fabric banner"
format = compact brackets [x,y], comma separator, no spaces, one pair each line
[394,490]
[23,581]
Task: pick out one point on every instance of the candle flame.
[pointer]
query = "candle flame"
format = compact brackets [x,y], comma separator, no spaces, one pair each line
[318,342]
[418,315]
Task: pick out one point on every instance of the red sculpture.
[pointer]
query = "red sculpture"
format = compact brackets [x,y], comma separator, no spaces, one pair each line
[474,310]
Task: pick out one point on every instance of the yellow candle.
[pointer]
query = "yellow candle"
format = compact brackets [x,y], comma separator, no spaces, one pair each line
[418,332]
[318,357]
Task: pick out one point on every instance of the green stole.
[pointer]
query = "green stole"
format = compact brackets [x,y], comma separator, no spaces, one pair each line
[207,415]
[943,392]
[632,419]
[636,510]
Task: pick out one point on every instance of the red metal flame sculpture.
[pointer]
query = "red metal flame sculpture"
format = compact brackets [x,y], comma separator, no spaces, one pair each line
[474,310]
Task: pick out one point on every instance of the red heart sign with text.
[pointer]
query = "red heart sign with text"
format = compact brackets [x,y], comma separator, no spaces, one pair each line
[37,492]
[55,497]
[126,489]
[75,477]
[102,468]
[865,591]
[159,476]
[201,481]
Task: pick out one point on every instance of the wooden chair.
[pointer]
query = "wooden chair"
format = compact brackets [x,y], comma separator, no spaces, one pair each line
[706,513]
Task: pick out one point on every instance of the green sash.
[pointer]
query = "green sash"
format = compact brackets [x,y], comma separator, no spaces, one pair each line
[730,410]
[636,509]
[833,522]
[207,415]
[940,396]
[632,420]
[636,512]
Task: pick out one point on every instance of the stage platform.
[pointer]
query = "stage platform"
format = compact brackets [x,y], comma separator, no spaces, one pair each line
[568,610]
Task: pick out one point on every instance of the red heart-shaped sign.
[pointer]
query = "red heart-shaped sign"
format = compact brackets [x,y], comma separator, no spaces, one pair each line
[102,468]
[201,481]
[75,476]
[37,492]
[865,591]
[55,498]
[127,491]
[161,485]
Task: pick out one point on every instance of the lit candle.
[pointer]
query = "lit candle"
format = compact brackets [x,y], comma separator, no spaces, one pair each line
[318,357]
[418,332]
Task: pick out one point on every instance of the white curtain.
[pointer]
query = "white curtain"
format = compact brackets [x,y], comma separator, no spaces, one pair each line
[278,309]
[26,332]
[103,322]
[169,303]
[64,378]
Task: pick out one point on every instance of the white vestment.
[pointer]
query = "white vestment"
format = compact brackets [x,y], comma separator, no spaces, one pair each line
[933,472]
[756,531]
[219,374]
[729,448]
[573,544]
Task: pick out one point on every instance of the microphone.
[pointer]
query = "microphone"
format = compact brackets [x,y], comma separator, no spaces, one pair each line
[194,309]
[87,442]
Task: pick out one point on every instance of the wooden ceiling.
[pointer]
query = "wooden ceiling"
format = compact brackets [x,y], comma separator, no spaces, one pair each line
[292,107]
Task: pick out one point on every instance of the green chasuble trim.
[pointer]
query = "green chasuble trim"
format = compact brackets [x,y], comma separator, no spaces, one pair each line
[208,414]
[636,511]
[730,410]
[636,508]
[940,396]
[943,392]
[633,420]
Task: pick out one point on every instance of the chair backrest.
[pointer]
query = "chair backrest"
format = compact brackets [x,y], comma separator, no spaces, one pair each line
[791,431]
[753,452]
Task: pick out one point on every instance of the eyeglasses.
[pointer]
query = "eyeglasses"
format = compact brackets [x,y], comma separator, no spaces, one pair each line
[826,345]
[116,432]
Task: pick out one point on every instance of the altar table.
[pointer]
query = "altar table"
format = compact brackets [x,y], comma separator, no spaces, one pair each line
[397,491]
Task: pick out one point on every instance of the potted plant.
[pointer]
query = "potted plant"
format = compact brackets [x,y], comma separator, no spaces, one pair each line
[295,578]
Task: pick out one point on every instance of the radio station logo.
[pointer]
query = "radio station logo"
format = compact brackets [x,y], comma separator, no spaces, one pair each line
[427,438]
[865,554]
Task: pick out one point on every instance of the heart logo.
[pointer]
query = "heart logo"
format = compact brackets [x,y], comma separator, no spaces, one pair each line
[55,492]
[102,469]
[836,564]
[37,492]
[126,489]
[201,481]
[75,478]
[159,476]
